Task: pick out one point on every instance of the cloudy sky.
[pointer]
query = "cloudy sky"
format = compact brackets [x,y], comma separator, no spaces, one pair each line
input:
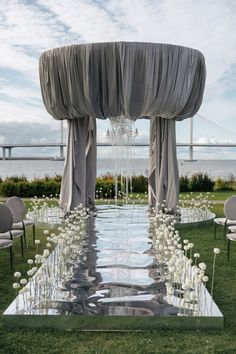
[28,27]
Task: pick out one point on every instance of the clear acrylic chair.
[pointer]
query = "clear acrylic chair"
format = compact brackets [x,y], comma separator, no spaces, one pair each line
[230,237]
[230,215]
[6,221]
[18,209]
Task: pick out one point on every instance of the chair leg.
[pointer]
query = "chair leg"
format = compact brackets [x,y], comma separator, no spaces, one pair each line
[22,246]
[33,234]
[228,248]
[12,257]
[224,231]
[25,235]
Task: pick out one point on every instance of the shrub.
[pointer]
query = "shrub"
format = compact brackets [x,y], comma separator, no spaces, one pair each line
[16,179]
[201,182]
[184,184]
[105,187]
[223,185]
[139,184]
[9,188]
[28,189]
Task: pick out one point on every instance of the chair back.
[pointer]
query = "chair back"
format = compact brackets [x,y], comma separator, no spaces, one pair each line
[230,208]
[6,218]
[17,207]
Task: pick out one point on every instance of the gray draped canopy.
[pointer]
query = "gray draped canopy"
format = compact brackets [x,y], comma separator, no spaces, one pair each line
[83,82]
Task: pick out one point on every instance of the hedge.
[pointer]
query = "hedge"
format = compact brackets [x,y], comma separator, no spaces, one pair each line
[105,186]
[198,182]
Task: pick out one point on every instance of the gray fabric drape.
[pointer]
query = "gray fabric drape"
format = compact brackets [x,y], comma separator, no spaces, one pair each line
[163,167]
[114,79]
[131,79]
[79,177]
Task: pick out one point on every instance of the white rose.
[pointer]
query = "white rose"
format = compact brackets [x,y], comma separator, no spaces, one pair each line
[16,285]
[202,266]
[30,298]
[205,278]
[30,273]
[17,274]
[46,253]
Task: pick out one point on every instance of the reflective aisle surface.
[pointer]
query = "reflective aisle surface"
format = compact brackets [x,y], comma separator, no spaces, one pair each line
[118,275]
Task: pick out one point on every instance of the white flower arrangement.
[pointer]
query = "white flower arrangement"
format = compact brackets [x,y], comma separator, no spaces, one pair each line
[17,274]
[182,274]
[69,242]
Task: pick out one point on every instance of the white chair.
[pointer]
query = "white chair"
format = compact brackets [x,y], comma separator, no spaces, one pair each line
[230,237]
[18,209]
[230,215]
[6,221]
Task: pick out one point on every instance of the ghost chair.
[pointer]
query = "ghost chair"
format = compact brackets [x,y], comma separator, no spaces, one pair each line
[6,238]
[18,209]
[230,216]
[230,237]
[8,233]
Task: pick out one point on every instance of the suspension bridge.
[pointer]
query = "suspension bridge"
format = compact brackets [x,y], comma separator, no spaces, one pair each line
[194,133]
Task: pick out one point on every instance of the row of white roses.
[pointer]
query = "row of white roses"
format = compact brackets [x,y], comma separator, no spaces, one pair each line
[178,264]
[68,242]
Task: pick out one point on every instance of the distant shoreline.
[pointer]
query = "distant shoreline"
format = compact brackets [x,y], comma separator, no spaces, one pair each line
[32,168]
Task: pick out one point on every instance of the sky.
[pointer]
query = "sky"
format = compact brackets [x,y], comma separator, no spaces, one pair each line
[28,27]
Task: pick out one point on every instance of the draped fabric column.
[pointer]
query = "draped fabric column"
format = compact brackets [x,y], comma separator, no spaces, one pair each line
[130,79]
[79,176]
[163,175]
[91,164]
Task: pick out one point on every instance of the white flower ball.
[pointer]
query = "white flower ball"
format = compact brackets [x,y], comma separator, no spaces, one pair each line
[205,278]
[30,273]
[16,285]
[23,281]
[46,232]
[30,298]
[37,242]
[46,253]
[202,266]
[17,274]
[216,250]
[30,261]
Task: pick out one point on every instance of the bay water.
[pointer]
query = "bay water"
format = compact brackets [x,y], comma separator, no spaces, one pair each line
[39,168]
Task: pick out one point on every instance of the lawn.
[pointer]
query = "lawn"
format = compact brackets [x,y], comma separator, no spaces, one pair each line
[21,341]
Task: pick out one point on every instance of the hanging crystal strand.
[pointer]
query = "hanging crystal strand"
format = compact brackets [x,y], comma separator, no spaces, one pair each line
[121,135]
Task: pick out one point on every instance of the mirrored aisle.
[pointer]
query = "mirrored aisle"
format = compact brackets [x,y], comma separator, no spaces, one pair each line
[119,275]
[113,279]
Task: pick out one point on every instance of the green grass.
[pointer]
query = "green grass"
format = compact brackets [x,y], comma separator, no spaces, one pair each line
[217,195]
[22,341]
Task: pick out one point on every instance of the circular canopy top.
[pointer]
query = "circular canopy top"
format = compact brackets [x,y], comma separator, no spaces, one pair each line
[122,78]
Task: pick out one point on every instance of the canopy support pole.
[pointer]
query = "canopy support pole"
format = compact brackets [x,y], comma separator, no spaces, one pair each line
[163,175]
[79,176]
